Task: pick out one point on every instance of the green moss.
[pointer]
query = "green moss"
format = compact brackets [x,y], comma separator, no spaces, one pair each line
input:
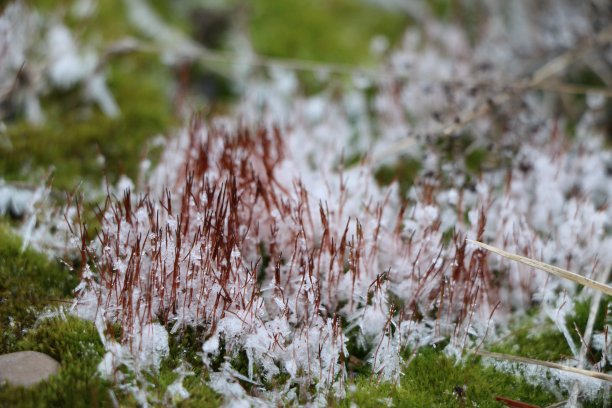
[71,139]
[326,31]
[76,345]
[321,30]
[581,313]
[29,281]
[200,394]
[404,172]
[75,133]
[541,342]
[475,159]
[109,21]
[544,342]
[441,8]
[578,321]
[433,380]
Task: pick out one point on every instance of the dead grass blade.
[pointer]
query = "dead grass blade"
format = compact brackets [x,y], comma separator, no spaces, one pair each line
[558,404]
[562,273]
[514,403]
[548,364]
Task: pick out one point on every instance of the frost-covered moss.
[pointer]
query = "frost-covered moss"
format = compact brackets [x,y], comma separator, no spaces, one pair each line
[31,277]
[185,348]
[75,135]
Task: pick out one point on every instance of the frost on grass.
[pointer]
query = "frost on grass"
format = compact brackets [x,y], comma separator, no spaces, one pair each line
[237,234]
[259,230]
[560,382]
[42,226]
[39,55]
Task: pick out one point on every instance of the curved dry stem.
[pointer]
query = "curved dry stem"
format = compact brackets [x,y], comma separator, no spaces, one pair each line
[562,273]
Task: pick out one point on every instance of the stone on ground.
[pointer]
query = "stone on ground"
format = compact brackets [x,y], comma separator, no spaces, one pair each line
[26,368]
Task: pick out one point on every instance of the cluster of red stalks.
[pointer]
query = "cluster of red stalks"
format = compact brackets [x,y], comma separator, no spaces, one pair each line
[231,238]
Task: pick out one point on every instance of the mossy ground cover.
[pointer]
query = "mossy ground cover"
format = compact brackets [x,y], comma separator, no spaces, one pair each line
[30,282]
[434,380]
[75,344]
[71,145]
[534,342]
[541,340]
[72,139]
[321,30]
[75,135]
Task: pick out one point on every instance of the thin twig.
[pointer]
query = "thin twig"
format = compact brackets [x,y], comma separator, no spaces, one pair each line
[558,64]
[558,404]
[289,63]
[573,89]
[203,54]
[562,273]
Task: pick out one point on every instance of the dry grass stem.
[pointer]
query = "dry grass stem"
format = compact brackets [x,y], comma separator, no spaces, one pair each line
[573,89]
[562,273]
[558,404]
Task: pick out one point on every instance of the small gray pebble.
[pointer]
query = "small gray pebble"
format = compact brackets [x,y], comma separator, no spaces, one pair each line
[26,368]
